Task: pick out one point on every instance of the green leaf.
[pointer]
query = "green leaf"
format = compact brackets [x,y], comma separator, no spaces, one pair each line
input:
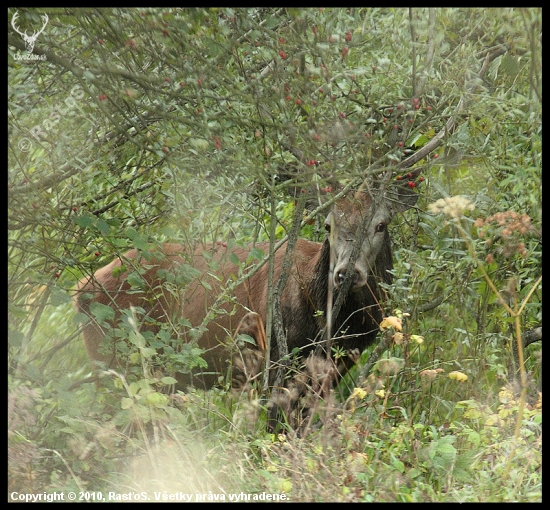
[168,380]
[85,220]
[136,339]
[59,297]
[138,240]
[156,399]
[397,464]
[136,280]
[510,65]
[256,253]
[103,226]
[126,403]
[446,449]
[147,352]
[102,312]
[246,338]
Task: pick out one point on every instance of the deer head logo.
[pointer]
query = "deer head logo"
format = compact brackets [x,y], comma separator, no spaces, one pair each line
[29,39]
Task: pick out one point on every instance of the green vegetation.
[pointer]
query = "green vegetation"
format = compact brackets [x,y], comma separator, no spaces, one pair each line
[132,127]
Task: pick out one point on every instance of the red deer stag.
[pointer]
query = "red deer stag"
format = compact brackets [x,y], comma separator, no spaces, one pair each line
[358,220]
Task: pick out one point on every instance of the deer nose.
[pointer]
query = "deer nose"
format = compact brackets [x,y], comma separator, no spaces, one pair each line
[340,276]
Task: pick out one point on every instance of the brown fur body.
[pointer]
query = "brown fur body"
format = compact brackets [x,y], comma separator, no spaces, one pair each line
[304,296]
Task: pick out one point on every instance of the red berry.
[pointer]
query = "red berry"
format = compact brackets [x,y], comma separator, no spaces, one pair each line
[167,79]
[411,184]
[348,36]
[345,51]
[436,156]
[75,209]
[100,41]
[97,254]
[400,144]
[298,101]
[282,54]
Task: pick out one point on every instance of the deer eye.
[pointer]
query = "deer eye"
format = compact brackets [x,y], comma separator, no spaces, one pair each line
[380,227]
[327,227]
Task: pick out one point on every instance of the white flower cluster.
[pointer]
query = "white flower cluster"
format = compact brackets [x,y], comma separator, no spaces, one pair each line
[452,206]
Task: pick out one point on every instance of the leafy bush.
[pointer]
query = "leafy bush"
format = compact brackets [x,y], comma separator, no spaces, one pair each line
[131,127]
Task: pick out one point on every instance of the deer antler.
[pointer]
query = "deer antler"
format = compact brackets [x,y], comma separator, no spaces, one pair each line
[46,19]
[15,16]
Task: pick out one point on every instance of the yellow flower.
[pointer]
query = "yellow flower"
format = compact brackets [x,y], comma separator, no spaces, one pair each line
[398,338]
[452,206]
[359,393]
[418,339]
[458,376]
[391,322]
[505,396]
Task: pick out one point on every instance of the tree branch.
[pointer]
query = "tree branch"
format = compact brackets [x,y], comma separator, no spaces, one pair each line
[450,126]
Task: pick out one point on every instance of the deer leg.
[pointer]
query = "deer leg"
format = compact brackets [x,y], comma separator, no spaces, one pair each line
[249,356]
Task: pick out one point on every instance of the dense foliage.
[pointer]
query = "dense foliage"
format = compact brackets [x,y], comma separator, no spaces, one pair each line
[129,127]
